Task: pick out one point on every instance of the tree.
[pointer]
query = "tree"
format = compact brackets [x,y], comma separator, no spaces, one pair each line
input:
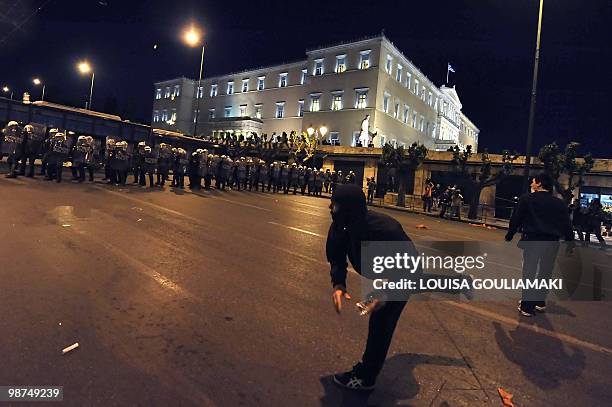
[404,161]
[485,177]
[557,163]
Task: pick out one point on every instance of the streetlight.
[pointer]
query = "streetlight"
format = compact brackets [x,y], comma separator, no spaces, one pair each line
[6,89]
[193,38]
[534,87]
[310,130]
[85,68]
[38,82]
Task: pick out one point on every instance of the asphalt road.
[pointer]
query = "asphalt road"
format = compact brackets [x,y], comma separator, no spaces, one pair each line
[223,299]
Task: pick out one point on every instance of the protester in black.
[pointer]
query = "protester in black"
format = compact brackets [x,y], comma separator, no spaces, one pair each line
[543,219]
[353,224]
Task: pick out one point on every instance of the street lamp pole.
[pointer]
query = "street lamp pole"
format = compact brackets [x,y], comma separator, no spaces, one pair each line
[533,102]
[198,95]
[93,75]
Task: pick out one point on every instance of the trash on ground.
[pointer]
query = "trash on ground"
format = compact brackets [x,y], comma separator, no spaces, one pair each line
[70,348]
[506,397]
[139,220]
[65,225]
[421,226]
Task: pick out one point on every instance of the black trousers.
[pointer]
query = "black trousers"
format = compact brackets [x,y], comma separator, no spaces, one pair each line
[538,263]
[81,172]
[380,332]
[370,196]
[596,230]
[28,161]
[143,177]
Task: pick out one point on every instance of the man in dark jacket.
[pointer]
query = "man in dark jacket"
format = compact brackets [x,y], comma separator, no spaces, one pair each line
[353,224]
[543,219]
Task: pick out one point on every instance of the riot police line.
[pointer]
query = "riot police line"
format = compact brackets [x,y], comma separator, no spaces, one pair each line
[55,147]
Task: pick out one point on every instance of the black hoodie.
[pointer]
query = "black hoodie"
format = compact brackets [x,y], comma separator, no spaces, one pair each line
[354,224]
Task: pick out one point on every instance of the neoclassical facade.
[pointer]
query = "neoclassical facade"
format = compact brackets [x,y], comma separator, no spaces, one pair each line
[335,87]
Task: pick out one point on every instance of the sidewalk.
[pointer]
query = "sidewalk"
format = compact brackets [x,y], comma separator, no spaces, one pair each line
[493,222]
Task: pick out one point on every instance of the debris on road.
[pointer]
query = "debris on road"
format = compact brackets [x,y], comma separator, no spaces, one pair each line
[65,225]
[70,348]
[139,220]
[506,397]
[421,226]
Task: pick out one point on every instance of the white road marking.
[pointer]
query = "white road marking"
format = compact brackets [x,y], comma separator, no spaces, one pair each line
[297,229]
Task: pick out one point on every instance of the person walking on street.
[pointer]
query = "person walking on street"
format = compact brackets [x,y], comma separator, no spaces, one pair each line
[456,202]
[595,216]
[427,196]
[371,190]
[543,219]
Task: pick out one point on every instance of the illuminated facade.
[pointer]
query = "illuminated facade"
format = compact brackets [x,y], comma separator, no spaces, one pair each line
[335,86]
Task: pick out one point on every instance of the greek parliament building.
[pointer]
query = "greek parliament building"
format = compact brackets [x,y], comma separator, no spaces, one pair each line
[335,86]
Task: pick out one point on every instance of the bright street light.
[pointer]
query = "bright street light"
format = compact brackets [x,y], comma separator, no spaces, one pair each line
[193,37]
[38,82]
[323,131]
[85,68]
[6,89]
[310,131]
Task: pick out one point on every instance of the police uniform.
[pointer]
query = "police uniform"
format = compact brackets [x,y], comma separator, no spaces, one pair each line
[60,150]
[147,168]
[34,143]
[163,164]
[13,146]
[82,156]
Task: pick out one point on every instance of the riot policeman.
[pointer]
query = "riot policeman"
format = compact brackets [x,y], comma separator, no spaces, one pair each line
[312,177]
[327,180]
[13,146]
[137,159]
[204,167]
[109,155]
[302,179]
[163,164]
[60,149]
[241,173]
[193,167]
[35,139]
[285,178]
[319,182]
[82,156]
[180,167]
[147,167]
[120,162]
[263,175]
[293,177]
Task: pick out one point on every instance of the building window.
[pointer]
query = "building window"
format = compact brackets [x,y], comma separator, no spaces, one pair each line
[422,126]
[318,67]
[230,88]
[164,115]
[423,91]
[158,93]
[177,91]
[408,80]
[167,92]
[336,101]
[361,99]
[334,138]
[430,100]
[260,82]
[389,66]
[280,110]
[398,74]
[200,92]
[396,111]
[416,87]
[386,98]
[394,143]
[211,114]
[436,105]
[315,103]
[414,120]
[243,109]
[258,109]
[301,108]
[228,111]
[383,140]
[245,85]
[364,59]
[213,90]
[406,113]
[155,116]
[196,113]
[172,117]
[340,63]
[303,77]
[282,80]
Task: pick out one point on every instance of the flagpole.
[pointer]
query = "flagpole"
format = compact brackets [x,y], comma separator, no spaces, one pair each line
[447,73]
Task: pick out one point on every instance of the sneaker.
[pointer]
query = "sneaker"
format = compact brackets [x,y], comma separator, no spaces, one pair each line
[349,380]
[525,313]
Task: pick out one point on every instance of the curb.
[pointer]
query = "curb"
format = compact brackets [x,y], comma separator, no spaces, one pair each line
[432,215]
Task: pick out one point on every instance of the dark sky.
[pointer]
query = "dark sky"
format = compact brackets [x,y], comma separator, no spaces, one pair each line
[490,43]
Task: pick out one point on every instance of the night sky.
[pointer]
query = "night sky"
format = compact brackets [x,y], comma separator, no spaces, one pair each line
[490,43]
